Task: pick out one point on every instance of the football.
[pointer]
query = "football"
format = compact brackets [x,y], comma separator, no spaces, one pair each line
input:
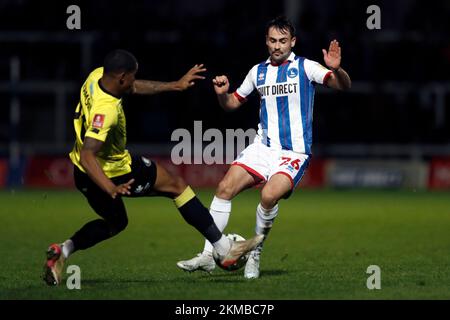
[240,263]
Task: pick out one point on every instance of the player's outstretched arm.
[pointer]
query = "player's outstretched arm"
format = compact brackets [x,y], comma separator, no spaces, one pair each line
[90,164]
[153,87]
[339,79]
[226,100]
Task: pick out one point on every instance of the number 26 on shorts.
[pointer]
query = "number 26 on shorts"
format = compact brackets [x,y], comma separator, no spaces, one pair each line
[294,163]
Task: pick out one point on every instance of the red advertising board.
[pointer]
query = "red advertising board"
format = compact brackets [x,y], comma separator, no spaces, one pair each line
[315,175]
[439,174]
[209,176]
[49,172]
[196,175]
[57,172]
[3,172]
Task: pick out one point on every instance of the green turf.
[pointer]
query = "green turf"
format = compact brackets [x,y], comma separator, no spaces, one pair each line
[320,248]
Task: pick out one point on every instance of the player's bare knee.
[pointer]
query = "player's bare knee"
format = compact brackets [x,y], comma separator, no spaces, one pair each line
[225,190]
[269,198]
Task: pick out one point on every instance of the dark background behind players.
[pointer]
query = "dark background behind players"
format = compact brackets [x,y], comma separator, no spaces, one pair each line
[398,103]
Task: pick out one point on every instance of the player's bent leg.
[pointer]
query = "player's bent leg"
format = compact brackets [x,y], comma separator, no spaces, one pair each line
[199,217]
[277,187]
[112,211]
[114,220]
[235,180]
[167,184]
[190,207]
[187,203]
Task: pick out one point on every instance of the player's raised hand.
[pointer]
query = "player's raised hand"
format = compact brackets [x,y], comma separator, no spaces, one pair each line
[332,58]
[187,80]
[122,189]
[221,84]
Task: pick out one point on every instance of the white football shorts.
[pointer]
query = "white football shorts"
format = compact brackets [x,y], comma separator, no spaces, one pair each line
[264,162]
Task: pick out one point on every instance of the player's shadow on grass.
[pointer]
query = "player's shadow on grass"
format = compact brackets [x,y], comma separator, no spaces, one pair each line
[274,272]
[264,273]
[124,281]
[222,277]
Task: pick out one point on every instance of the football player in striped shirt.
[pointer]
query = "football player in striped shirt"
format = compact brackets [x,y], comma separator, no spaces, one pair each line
[281,151]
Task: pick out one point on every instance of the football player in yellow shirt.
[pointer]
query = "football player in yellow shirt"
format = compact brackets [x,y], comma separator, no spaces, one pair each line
[104,170]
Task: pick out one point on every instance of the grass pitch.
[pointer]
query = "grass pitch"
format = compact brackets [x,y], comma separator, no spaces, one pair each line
[319,248]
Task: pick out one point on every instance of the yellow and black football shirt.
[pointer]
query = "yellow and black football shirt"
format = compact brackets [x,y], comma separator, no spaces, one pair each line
[100,115]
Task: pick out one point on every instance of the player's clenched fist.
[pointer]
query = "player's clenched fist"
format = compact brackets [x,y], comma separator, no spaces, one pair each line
[221,84]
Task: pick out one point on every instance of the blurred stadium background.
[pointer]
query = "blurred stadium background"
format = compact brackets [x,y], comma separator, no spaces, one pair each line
[393,125]
[390,132]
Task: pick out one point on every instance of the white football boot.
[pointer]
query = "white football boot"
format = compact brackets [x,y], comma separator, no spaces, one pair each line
[202,262]
[252,266]
[205,261]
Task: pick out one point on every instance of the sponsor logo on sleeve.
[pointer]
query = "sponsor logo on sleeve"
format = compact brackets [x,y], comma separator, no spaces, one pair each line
[261,76]
[99,119]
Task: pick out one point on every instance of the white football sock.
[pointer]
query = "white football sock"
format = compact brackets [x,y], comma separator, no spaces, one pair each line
[220,211]
[67,248]
[265,218]
[222,246]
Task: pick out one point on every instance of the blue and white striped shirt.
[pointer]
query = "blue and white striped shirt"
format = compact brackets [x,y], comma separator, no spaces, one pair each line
[287,99]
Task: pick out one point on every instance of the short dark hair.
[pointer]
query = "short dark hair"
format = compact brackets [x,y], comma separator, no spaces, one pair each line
[281,23]
[119,61]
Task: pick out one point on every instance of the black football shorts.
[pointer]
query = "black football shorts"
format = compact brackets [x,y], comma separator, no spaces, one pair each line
[143,171]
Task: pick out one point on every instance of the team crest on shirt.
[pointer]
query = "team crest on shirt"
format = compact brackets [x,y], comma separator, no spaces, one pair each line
[292,73]
[98,121]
